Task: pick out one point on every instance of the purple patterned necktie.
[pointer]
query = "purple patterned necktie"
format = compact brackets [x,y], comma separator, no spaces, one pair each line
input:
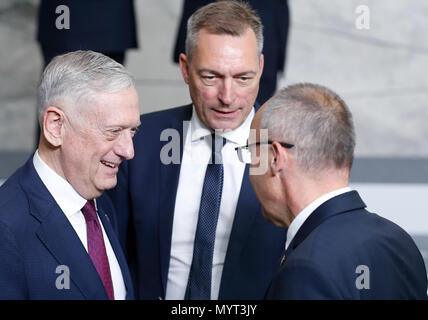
[96,248]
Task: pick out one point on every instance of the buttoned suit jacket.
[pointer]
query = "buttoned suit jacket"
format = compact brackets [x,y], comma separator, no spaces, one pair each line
[145,200]
[42,257]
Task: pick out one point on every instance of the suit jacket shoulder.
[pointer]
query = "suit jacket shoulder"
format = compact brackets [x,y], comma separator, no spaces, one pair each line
[328,262]
[165,118]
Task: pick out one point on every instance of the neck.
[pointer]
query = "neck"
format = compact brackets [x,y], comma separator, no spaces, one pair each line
[305,190]
[50,156]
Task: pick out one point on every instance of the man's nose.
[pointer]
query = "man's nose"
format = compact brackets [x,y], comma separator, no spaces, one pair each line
[125,145]
[226,92]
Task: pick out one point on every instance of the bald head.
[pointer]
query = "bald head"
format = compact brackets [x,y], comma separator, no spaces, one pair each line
[316,120]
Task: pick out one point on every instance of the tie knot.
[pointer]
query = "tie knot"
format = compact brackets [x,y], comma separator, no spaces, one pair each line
[89,211]
[217,144]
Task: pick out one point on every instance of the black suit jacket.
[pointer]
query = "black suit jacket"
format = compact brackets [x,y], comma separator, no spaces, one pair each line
[145,200]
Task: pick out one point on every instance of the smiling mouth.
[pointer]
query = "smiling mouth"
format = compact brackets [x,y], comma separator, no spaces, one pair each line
[109,164]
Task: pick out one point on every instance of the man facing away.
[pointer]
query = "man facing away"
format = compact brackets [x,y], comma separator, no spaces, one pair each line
[335,248]
[57,230]
[189,219]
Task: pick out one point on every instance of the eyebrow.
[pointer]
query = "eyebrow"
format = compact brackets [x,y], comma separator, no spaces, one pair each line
[246,73]
[243,73]
[122,126]
[136,127]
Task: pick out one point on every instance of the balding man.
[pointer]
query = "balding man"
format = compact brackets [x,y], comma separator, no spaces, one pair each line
[335,249]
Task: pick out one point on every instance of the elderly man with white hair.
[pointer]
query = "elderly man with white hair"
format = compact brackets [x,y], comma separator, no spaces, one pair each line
[57,230]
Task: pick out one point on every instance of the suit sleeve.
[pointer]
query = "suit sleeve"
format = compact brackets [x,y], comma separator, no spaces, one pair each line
[12,273]
[300,280]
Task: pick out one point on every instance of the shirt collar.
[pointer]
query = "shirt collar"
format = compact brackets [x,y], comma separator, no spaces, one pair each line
[64,194]
[238,136]
[306,212]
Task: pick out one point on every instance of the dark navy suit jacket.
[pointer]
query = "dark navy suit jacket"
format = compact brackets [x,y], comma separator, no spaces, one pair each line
[103,26]
[36,237]
[145,200]
[343,251]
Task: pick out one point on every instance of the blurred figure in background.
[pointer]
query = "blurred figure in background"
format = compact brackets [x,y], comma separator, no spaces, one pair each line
[107,26]
[275,19]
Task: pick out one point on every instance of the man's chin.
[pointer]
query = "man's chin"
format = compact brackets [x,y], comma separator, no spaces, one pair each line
[225,125]
[270,218]
[107,184]
[266,215]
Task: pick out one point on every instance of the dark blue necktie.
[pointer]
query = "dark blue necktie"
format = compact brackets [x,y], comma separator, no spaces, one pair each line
[199,283]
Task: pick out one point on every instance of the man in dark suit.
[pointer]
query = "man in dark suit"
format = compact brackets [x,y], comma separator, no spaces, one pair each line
[57,230]
[190,221]
[275,18]
[106,26]
[335,248]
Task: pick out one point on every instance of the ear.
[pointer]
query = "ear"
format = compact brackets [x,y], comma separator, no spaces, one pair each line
[261,63]
[184,66]
[53,126]
[279,159]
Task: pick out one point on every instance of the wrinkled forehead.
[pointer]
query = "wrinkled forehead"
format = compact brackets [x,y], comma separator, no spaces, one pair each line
[114,107]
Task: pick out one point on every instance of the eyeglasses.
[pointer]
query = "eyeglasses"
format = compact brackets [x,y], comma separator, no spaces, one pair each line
[244,153]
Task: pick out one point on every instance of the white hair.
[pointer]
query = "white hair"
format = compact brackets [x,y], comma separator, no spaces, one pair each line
[76,75]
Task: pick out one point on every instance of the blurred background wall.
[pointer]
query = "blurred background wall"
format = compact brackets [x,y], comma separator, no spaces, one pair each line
[381,72]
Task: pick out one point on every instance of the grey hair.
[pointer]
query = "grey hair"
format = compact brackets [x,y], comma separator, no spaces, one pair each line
[317,121]
[230,17]
[76,75]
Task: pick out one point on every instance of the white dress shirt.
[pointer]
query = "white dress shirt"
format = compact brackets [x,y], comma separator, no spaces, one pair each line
[71,204]
[196,155]
[306,212]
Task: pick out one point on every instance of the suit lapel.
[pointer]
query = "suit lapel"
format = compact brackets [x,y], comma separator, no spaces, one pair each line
[63,243]
[112,237]
[340,204]
[247,209]
[169,176]
[59,237]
